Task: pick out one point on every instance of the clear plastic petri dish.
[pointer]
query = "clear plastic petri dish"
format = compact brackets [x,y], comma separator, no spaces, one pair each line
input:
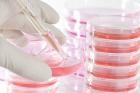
[24,89]
[112,72]
[91,90]
[60,66]
[104,33]
[116,59]
[116,46]
[112,85]
[113,27]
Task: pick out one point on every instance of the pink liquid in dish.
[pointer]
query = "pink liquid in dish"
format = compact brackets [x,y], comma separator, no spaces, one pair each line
[60,66]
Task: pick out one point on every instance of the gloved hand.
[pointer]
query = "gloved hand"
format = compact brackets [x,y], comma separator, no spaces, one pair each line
[13,25]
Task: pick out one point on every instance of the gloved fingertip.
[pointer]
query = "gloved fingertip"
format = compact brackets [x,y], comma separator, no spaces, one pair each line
[49,14]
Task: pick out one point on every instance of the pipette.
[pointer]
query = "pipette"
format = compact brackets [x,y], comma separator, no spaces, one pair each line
[47,36]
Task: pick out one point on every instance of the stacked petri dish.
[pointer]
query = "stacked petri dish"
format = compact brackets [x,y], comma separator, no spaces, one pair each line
[76,28]
[114,56]
[76,32]
[112,43]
